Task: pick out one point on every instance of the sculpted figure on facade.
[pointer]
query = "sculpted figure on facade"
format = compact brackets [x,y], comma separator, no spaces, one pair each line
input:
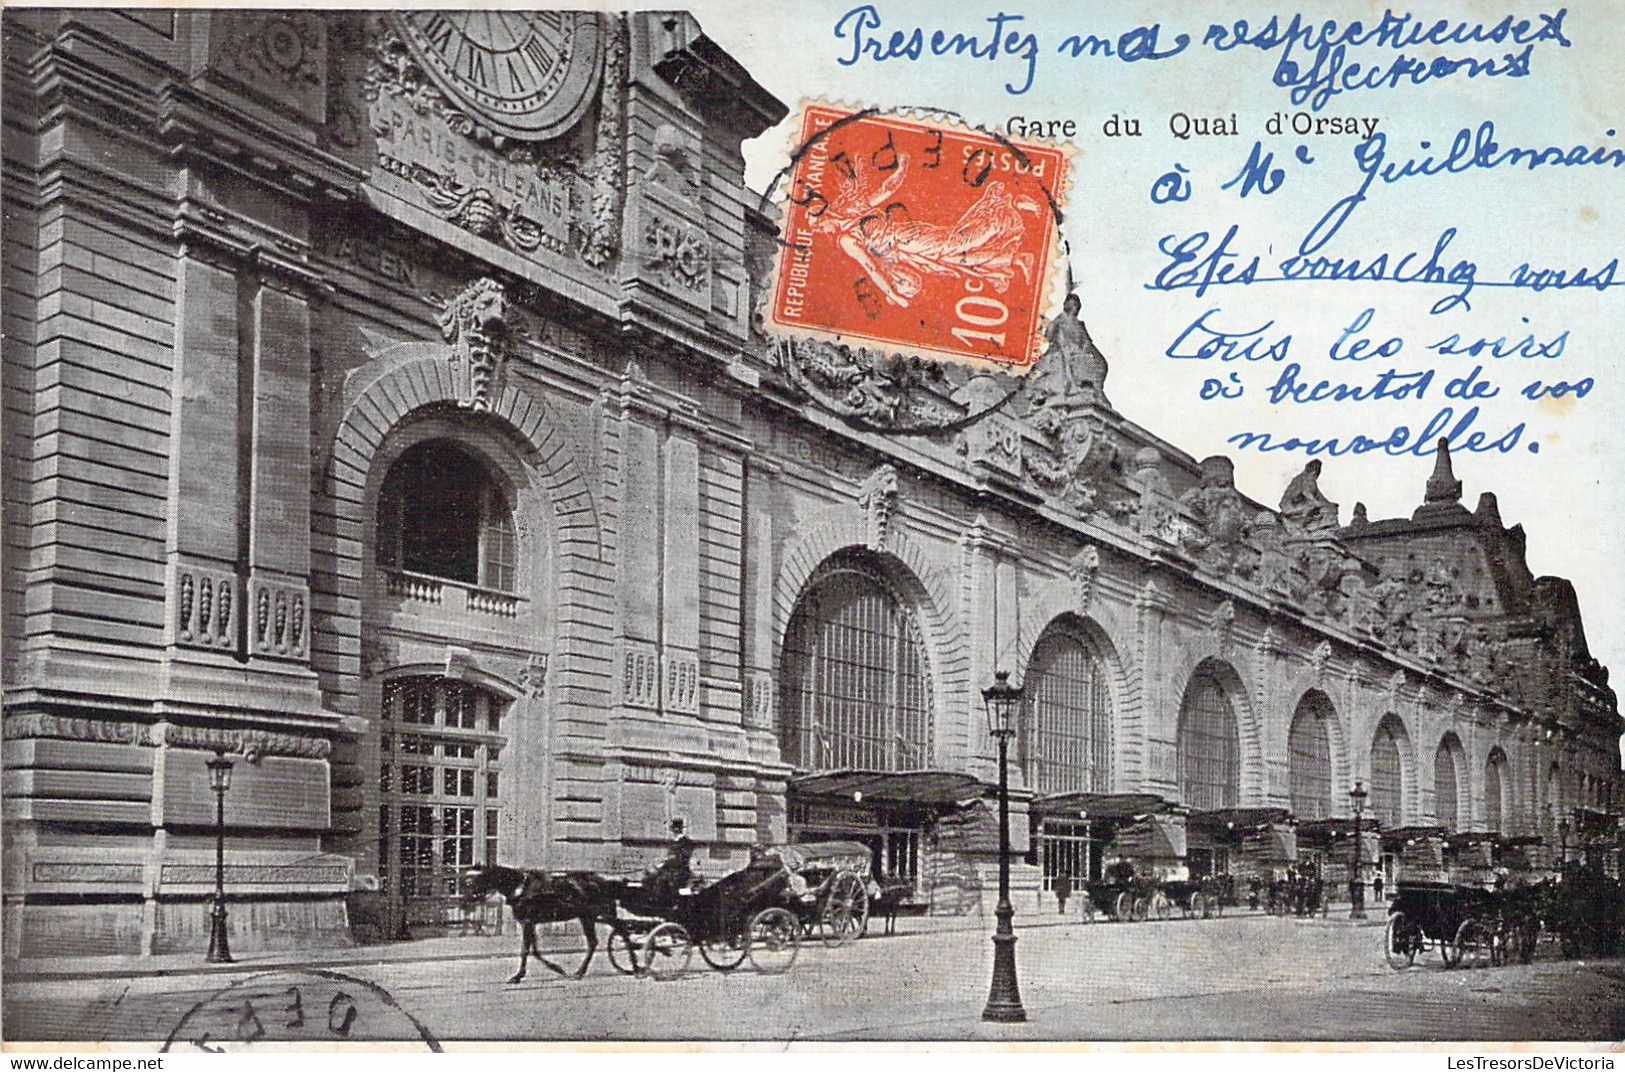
[475,323]
[1306,511]
[1072,370]
[1220,515]
[1275,572]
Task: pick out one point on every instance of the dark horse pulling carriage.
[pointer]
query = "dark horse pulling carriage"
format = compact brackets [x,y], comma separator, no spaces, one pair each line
[758,913]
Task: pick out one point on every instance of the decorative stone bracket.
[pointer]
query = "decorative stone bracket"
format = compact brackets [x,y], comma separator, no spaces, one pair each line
[640,674]
[682,682]
[279,618]
[204,601]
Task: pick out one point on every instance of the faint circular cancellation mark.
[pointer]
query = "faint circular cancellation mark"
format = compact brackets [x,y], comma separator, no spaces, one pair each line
[298,1006]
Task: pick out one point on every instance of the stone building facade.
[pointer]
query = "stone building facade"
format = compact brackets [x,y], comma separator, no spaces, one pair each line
[387,410]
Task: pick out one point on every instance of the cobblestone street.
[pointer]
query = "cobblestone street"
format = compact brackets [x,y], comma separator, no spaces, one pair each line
[1249,977]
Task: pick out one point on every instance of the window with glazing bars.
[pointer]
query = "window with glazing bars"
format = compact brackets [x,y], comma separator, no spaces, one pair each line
[1209,748]
[1387,787]
[1066,741]
[1309,755]
[438,783]
[441,514]
[855,690]
[1064,850]
[1444,787]
[1492,791]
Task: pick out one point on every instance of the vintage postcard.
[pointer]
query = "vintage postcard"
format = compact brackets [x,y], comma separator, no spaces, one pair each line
[793,524]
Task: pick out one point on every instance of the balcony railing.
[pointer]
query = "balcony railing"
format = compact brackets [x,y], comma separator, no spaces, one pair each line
[452,595]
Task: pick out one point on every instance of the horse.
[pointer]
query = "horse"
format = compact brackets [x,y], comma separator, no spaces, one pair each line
[537,897]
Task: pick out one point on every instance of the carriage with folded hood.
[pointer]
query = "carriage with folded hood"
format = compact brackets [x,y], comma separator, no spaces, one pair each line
[760,913]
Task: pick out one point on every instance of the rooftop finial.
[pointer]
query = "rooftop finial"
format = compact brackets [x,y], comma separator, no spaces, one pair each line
[1443,485]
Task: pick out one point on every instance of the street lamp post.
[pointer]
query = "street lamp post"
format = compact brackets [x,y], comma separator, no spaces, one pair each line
[1356,864]
[219,781]
[1563,841]
[1004,995]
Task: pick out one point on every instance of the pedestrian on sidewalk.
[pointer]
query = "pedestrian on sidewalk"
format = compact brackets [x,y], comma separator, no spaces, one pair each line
[1063,889]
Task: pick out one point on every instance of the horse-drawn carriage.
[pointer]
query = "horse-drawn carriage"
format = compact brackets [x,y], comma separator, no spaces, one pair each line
[1129,896]
[759,913]
[1466,924]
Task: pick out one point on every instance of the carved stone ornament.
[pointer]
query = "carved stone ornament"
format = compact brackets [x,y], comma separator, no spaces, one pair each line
[884,393]
[33,724]
[1079,453]
[508,183]
[534,675]
[1081,572]
[1219,516]
[250,743]
[878,497]
[280,54]
[679,252]
[475,323]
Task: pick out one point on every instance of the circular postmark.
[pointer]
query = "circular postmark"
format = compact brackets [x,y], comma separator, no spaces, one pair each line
[296,1006]
[915,250]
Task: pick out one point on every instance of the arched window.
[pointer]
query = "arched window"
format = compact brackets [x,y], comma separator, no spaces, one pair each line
[1387,776]
[1446,795]
[1066,743]
[440,514]
[439,787]
[1310,755]
[856,685]
[1208,745]
[1494,816]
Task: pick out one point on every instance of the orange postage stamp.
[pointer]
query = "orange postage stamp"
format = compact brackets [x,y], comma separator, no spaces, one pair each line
[918,235]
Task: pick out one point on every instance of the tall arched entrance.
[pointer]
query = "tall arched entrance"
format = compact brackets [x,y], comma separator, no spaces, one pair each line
[855,714]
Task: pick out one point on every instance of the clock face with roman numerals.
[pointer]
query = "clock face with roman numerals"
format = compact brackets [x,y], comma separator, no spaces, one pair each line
[524,74]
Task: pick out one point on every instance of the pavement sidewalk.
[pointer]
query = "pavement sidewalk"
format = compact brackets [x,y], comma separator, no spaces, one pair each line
[480,947]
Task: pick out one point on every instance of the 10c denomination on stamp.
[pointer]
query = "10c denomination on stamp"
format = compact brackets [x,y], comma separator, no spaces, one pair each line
[918,235]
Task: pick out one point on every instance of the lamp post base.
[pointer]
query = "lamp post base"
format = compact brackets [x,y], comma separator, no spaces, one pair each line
[219,947]
[1357,900]
[1004,996]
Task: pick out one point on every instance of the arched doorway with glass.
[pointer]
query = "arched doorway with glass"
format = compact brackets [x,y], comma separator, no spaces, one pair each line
[1495,791]
[1065,743]
[1208,748]
[1448,795]
[855,694]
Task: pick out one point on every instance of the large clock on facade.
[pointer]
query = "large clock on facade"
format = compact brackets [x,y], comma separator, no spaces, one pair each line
[523,74]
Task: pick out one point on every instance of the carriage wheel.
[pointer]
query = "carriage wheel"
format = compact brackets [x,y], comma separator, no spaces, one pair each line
[846,910]
[1449,951]
[1141,909]
[723,954]
[1471,944]
[1088,910]
[1161,907]
[1123,908]
[1399,946]
[623,953]
[772,940]
[1198,907]
[666,952]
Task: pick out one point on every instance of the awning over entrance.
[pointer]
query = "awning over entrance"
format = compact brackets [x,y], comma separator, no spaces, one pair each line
[931,787]
[1320,833]
[1409,836]
[1107,807]
[1232,824]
